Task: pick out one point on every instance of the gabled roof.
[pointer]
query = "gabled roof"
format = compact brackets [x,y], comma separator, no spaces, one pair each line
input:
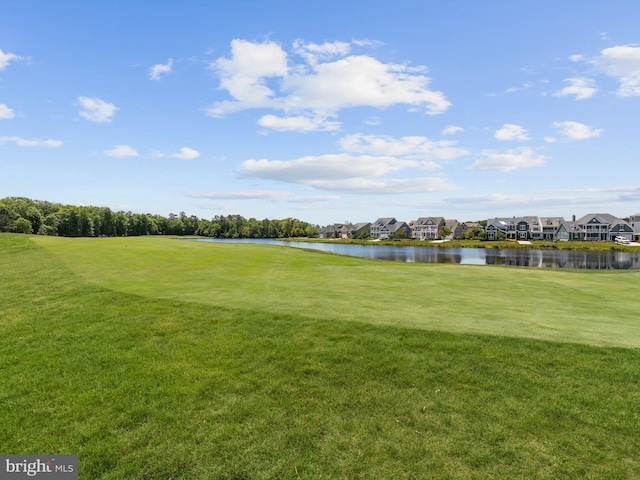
[570,226]
[551,221]
[396,226]
[425,221]
[385,221]
[604,218]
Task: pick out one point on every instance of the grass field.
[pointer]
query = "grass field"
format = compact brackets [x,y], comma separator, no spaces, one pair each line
[154,358]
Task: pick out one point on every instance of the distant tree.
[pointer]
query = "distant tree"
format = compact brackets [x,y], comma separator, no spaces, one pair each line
[444,231]
[475,233]
[22,225]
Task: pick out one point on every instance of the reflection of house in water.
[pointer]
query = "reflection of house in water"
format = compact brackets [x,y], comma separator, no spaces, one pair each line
[578,260]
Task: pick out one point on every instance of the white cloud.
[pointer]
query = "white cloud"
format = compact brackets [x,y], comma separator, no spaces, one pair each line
[452,130]
[415,147]
[159,69]
[576,131]
[244,75]
[576,58]
[386,186]
[539,200]
[5,112]
[365,42]
[511,132]
[333,167]
[276,197]
[186,153]
[298,123]
[522,157]
[360,80]
[120,151]
[6,58]
[623,63]
[581,88]
[313,52]
[259,75]
[96,110]
[524,86]
[21,142]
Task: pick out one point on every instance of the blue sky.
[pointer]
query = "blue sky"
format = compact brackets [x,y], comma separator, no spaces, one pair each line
[324,111]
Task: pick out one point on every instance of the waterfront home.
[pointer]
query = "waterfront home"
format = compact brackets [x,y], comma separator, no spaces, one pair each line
[634,221]
[383,228]
[427,228]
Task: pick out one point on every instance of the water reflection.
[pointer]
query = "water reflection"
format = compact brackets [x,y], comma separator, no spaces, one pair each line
[470,256]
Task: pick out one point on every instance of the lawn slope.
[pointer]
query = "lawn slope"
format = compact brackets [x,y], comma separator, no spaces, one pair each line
[207,381]
[593,307]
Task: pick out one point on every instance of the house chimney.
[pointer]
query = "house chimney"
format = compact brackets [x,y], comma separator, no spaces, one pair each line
[574,218]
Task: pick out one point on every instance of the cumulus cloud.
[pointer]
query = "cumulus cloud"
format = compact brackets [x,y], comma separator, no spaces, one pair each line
[329,79]
[22,142]
[121,151]
[312,169]
[5,112]
[245,74]
[415,147]
[623,63]
[6,59]
[516,158]
[298,123]
[576,130]
[452,130]
[511,132]
[96,110]
[160,69]
[186,153]
[581,88]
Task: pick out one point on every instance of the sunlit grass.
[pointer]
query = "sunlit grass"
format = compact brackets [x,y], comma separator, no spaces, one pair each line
[138,356]
[598,308]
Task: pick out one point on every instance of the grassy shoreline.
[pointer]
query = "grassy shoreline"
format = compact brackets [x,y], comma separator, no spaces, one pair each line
[151,358]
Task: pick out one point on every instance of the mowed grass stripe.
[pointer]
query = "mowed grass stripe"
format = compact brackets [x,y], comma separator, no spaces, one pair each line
[144,387]
[592,307]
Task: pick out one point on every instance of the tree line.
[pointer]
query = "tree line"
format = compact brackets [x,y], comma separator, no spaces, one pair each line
[24,215]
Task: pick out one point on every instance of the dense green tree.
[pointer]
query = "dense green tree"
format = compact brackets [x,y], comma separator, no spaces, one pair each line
[22,225]
[46,218]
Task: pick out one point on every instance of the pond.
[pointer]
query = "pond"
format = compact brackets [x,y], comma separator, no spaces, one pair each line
[573,259]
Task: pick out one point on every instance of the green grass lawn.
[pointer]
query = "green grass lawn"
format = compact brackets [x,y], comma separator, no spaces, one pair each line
[154,358]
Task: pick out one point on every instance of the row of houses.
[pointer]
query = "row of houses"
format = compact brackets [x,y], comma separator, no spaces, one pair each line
[424,228]
[592,227]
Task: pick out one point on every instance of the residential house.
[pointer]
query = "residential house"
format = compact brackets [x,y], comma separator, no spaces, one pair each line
[634,221]
[621,229]
[344,230]
[496,229]
[457,229]
[330,231]
[427,228]
[383,228]
[515,228]
[603,227]
[569,230]
[550,227]
[360,229]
